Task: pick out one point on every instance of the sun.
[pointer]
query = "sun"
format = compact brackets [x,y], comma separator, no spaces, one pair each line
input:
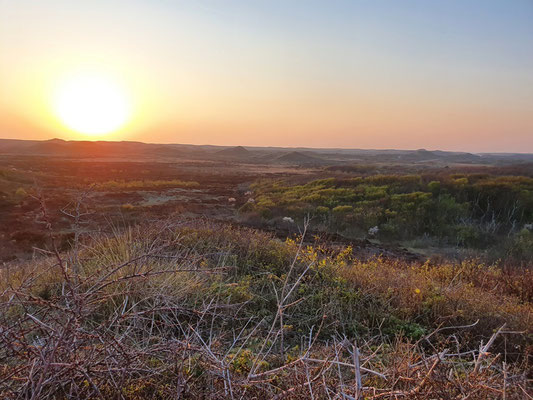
[91,104]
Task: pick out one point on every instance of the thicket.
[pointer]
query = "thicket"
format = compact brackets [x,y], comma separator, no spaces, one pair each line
[204,310]
[468,210]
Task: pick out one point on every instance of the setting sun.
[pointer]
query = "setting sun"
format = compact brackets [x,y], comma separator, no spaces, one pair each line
[91,104]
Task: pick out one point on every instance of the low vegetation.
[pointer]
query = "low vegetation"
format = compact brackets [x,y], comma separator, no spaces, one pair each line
[136,184]
[203,310]
[481,211]
[115,281]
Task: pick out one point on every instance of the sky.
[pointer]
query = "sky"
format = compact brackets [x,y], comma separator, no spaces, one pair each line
[449,74]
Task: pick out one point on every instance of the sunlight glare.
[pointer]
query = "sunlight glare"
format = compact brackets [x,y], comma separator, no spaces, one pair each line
[91,104]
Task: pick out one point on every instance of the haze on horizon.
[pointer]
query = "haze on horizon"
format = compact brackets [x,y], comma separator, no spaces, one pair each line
[451,75]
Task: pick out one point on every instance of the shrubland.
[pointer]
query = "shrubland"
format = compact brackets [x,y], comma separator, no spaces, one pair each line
[463,210]
[197,309]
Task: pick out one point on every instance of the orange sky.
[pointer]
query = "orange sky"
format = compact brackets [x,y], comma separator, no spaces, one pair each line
[350,74]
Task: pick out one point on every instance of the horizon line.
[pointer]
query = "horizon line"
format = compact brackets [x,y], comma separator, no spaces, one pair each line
[273,147]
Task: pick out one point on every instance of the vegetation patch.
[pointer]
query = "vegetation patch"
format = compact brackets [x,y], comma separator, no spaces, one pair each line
[464,210]
[209,310]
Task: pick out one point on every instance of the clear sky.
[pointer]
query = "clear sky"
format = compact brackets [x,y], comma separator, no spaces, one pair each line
[450,74]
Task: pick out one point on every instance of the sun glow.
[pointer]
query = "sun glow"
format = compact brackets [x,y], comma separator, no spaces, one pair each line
[91,104]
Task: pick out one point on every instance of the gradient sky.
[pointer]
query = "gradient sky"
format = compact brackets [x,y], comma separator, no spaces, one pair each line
[450,74]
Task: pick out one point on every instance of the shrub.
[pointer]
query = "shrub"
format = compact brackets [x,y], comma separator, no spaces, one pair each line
[21,193]
[342,209]
[211,310]
[521,245]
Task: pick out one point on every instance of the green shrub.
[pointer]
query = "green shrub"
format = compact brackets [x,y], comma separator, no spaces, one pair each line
[342,209]
[21,193]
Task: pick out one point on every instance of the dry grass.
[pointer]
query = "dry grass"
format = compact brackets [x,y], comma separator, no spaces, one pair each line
[137,184]
[199,310]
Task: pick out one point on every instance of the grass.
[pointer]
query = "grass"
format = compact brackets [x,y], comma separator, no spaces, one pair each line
[204,310]
[136,184]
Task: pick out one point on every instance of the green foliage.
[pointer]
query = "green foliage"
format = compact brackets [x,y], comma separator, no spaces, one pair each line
[471,210]
[468,236]
[322,210]
[342,209]
[434,187]
[411,330]
[521,245]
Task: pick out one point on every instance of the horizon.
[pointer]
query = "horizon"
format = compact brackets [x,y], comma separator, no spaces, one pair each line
[295,148]
[450,76]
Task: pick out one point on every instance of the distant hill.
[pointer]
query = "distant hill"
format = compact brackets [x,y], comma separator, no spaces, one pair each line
[260,155]
[298,157]
[234,152]
[89,149]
